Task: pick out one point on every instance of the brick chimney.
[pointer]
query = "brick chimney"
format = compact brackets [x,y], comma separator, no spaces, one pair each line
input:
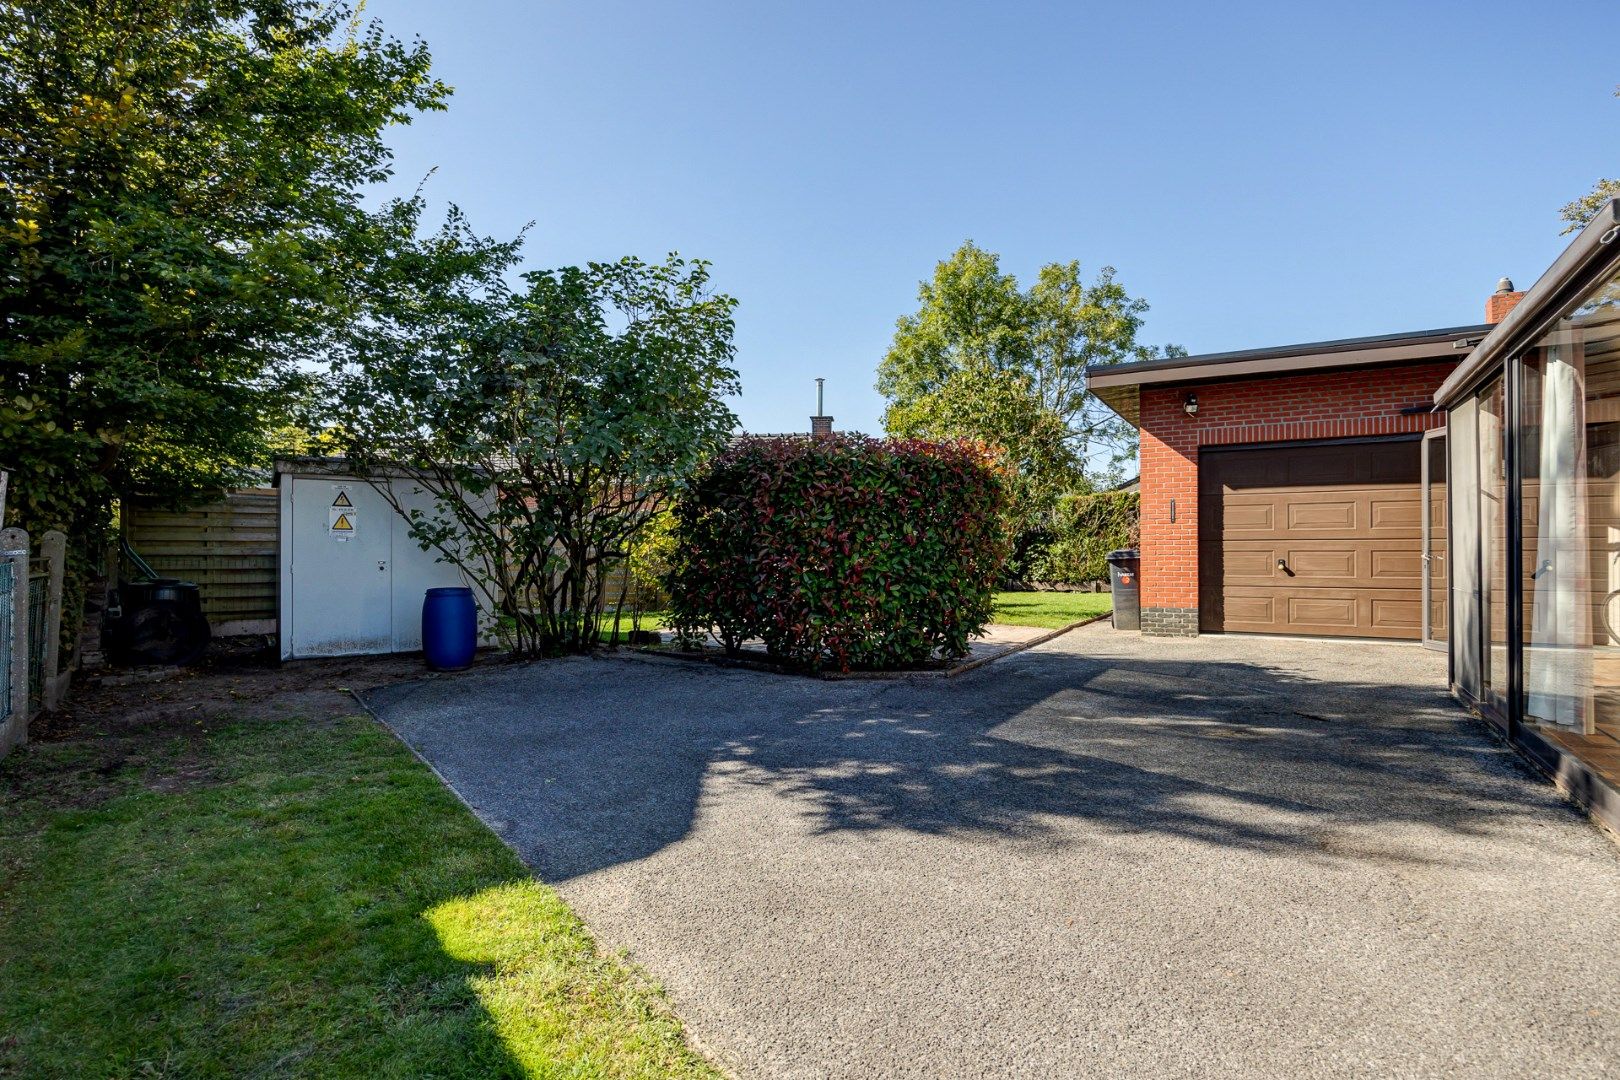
[1501,301]
[820,424]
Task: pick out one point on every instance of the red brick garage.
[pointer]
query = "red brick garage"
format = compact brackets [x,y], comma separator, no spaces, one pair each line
[1324,438]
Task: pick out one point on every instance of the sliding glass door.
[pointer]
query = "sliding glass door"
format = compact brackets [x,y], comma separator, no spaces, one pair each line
[1493,536]
[1568,421]
[1532,543]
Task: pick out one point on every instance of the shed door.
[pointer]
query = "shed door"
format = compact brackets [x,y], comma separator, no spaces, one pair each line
[1321,540]
[341,586]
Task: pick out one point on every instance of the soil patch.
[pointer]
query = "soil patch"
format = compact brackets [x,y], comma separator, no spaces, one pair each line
[239,679]
[148,725]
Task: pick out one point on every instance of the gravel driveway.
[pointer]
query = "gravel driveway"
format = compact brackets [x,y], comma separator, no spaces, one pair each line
[1106,856]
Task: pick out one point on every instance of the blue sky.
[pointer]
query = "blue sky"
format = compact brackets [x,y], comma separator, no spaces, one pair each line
[1259,173]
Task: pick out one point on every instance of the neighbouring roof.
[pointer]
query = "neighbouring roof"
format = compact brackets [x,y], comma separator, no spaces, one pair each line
[1119,386]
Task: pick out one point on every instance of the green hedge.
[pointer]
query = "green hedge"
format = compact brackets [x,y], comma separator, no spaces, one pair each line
[1086,528]
[842,551]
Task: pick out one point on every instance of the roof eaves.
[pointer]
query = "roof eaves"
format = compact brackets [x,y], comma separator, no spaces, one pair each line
[1446,337]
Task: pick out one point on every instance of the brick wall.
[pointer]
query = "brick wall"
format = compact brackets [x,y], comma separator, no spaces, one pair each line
[1334,405]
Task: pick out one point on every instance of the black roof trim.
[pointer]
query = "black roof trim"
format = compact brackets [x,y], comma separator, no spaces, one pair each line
[1311,348]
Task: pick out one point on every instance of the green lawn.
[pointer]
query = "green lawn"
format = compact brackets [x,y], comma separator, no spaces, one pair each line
[650,620]
[1050,609]
[290,898]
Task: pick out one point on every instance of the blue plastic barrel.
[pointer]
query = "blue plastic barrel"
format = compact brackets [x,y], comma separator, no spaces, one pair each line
[449,628]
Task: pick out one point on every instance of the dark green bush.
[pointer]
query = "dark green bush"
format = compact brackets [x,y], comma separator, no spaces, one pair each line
[1085,529]
[843,551]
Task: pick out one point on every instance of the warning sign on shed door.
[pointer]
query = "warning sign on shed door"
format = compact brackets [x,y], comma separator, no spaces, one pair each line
[343,522]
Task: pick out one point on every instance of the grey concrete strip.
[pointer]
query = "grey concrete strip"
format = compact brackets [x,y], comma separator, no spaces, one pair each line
[1103,856]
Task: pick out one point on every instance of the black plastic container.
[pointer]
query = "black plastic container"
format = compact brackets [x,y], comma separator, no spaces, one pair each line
[156,621]
[1125,577]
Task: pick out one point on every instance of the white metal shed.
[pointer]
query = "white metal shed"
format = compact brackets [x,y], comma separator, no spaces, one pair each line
[351,579]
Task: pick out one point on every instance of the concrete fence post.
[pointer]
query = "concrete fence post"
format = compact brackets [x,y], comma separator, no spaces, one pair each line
[14,727]
[53,548]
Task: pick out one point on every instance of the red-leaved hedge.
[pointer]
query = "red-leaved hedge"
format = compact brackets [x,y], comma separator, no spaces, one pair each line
[843,551]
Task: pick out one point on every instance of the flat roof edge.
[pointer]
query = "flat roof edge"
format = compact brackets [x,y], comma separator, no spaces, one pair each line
[1444,336]
[1301,364]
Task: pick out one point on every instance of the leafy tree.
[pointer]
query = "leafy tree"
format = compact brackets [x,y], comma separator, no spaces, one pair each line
[976,332]
[1576,214]
[985,359]
[1085,529]
[180,216]
[999,407]
[550,425]
[647,565]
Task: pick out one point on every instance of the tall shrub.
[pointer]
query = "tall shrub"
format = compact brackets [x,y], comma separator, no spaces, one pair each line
[1086,528]
[844,551]
[550,426]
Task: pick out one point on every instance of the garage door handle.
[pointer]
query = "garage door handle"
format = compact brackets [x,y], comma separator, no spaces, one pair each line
[1282,564]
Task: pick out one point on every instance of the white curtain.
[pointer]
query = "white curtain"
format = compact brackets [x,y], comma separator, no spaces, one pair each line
[1558,659]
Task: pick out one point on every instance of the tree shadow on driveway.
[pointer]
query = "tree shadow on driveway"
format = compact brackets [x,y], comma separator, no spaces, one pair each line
[587,763]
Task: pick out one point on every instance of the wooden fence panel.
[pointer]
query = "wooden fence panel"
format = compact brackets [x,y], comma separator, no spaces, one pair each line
[228,548]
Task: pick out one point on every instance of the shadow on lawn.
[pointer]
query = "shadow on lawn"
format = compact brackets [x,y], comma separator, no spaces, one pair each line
[586,764]
[267,921]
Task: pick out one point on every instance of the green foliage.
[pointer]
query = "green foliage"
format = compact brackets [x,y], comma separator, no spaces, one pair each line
[649,562]
[180,206]
[1576,214]
[997,408]
[847,551]
[985,359]
[550,425]
[1086,528]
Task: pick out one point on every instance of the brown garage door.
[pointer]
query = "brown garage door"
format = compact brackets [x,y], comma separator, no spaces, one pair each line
[1312,540]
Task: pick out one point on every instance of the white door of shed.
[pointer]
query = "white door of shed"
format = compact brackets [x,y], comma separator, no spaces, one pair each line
[353,577]
[342,587]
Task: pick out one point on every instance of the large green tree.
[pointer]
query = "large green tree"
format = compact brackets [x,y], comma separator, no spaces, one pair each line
[180,224]
[984,358]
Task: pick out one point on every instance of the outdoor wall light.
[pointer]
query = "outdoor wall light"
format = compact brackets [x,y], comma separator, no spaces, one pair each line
[1191,404]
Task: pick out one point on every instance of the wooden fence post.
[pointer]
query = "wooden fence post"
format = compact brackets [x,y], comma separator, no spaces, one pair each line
[14,727]
[53,548]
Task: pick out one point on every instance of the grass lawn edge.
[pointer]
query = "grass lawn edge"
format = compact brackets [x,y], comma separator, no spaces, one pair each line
[656,994]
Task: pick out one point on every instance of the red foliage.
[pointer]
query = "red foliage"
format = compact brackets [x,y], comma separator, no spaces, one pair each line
[849,551]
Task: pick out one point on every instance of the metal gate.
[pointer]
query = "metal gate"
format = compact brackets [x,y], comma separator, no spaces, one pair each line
[39,584]
[8,605]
